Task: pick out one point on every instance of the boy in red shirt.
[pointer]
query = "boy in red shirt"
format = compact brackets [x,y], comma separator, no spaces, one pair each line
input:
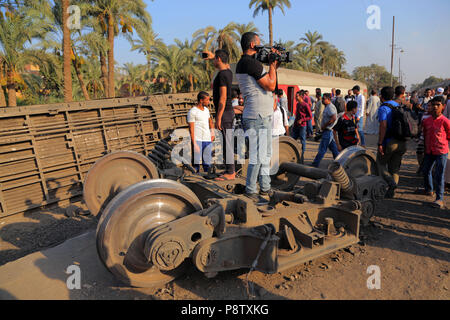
[436,131]
[302,116]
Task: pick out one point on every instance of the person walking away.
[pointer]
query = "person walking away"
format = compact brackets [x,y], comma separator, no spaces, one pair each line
[303,114]
[309,127]
[436,131]
[420,150]
[280,125]
[282,99]
[257,86]
[222,96]
[318,113]
[329,120]
[361,100]
[390,149]
[201,130]
[371,114]
[339,102]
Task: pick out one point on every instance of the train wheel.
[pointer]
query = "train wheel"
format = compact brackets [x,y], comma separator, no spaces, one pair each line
[289,151]
[112,174]
[127,221]
[358,162]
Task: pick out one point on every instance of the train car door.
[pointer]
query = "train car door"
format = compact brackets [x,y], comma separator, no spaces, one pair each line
[290,97]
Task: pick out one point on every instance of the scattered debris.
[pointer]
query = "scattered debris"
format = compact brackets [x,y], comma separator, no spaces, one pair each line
[350,250]
[378,225]
[324,266]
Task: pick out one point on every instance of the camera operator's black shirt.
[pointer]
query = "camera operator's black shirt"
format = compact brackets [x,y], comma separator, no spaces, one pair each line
[249,65]
[224,79]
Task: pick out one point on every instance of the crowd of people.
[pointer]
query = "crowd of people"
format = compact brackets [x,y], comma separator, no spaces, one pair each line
[261,109]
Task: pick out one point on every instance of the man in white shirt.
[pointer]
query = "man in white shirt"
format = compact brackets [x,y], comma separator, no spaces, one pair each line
[280,125]
[202,131]
[361,100]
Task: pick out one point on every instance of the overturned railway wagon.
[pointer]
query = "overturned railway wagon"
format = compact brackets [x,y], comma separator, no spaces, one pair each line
[46,150]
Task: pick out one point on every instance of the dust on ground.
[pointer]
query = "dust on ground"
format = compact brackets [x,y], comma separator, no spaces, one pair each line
[407,239]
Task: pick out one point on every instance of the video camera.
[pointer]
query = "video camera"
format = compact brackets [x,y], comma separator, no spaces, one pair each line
[266,56]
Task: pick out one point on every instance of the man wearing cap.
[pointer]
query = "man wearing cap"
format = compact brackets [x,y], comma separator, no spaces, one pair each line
[361,100]
[440,92]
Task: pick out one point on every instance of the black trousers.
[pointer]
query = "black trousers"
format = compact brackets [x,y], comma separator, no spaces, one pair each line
[228,146]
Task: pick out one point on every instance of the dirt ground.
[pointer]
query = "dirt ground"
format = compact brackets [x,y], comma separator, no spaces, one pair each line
[408,240]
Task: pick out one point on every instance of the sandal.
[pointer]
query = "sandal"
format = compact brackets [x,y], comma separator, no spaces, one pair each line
[223,178]
[424,192]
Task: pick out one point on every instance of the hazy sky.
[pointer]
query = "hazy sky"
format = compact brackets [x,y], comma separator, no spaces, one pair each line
[421,29]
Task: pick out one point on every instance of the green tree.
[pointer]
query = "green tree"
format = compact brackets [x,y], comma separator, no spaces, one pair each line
[95,44]
[375,76]
[195,68]
[67,52]
[115,14]
[17,27]
[2,83]
[133,77]
[226,39]
[269,6]
[172,65]
[244,28]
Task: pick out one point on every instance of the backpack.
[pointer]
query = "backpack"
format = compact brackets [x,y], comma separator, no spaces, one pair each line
[405,123]
[339,104]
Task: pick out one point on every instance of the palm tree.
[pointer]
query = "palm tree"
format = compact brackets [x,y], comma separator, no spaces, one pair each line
[112,14]
[244,28]
[270,6]
[16,29]
[2,81]
[204,38]
[96,45]
[133,77]
[195,67]
[312,42]
[146,43]
[227,40]
[67,52]
[172,65]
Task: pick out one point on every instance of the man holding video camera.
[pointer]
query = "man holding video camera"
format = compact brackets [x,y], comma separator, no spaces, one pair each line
[257,86]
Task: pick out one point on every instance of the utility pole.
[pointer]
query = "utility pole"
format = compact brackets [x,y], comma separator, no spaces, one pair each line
[399,66]
[392,54]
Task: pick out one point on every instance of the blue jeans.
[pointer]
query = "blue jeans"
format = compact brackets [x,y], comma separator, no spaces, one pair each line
[309,130]
[203,157]
[361,131]
[300,132]
[259,132]
[428,164]
[326,142]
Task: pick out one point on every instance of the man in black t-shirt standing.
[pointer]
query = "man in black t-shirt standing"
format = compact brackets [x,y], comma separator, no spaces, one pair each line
[257,86]
[222,98]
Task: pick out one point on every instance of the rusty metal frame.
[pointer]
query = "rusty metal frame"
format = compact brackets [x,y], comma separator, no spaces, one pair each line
[57,144]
